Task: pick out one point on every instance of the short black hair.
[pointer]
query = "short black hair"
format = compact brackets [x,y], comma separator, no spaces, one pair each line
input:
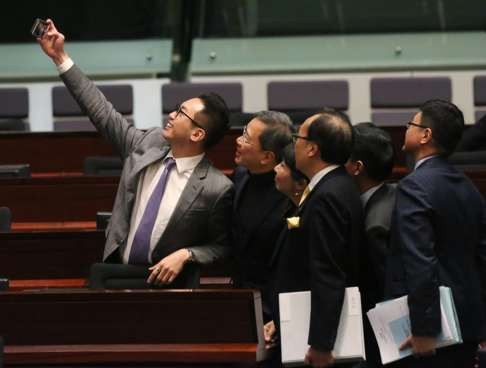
[288,156]
[333,133]
[278,132]
[217,114]
[446,122]
[373,146]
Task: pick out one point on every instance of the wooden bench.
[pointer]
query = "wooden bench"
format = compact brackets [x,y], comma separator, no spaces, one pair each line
[50,254]
[58,198]
[61,257]
[76,198]
[64,152]
[76,327]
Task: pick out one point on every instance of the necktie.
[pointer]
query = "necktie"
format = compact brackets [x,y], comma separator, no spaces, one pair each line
[305,193]
[141,241]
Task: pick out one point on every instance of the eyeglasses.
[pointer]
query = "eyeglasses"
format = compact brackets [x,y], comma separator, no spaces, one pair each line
[246,137]
[180,111]
[411,123]
[296,136]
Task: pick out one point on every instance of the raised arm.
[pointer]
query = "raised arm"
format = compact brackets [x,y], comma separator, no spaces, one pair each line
[111,124]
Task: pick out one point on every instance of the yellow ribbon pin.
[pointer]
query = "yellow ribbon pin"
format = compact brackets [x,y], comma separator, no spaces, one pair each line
[293,222]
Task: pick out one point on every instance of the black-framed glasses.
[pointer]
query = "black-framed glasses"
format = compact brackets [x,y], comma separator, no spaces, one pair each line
[246,137]
[296,136]
[411,123]
[180,111]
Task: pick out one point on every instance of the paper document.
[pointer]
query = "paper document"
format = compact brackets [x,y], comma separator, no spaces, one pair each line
[390,321]
[294,327]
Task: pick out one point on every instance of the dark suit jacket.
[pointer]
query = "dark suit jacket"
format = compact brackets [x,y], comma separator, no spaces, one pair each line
[438,237]
[254,242]
[322,254]
[377,213]
[202,217]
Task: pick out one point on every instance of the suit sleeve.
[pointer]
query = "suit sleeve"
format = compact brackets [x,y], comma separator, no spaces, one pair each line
[219,227]
[109,122]
[377,239]
[327,276]
[413,234]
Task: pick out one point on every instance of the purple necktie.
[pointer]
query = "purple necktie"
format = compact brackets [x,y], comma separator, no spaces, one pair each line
[141,241]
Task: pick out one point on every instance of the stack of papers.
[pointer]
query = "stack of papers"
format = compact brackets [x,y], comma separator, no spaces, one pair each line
[294,327]
[390,321]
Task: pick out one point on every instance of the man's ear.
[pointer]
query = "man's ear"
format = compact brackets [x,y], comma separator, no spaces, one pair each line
[359,168]
[426,136]
[312,149]
[268,157]
[198,135]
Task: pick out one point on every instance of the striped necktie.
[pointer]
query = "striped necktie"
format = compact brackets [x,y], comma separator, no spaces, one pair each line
[305,193]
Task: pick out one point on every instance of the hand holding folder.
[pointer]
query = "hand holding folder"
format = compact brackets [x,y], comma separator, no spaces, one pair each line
[294,328]
[390,321]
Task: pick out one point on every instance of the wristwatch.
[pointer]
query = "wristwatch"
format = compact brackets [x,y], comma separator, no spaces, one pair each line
[191,258]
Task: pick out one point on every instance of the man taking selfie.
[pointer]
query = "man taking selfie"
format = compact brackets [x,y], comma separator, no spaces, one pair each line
[173,208]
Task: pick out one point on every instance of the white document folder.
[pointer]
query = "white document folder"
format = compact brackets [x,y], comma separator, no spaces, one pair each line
[294,327]
[390,321]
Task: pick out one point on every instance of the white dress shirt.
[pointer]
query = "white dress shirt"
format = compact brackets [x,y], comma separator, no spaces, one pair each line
[65,66]
[176,182]
[420,162]
[178,178]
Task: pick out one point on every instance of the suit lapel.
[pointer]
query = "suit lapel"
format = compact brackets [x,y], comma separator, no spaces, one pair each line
[193,188]
[149,157]
[152,155]
[338,171]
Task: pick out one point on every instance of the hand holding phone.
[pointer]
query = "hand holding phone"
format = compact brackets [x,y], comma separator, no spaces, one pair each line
[38,28]
[51,40]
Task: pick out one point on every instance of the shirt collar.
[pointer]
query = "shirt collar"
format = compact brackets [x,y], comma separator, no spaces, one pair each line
[184,164]
[365,197]
[421,161]
[319,175]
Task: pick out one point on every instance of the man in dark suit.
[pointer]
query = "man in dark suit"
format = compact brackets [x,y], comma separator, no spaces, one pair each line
[438,237]
[370,164]
[321,254]
[173,208]
[258,208]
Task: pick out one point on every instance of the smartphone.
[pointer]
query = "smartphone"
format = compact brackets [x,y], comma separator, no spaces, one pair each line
[4,284]
[38,28]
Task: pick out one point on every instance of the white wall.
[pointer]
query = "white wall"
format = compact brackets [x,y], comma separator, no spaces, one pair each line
[147,94]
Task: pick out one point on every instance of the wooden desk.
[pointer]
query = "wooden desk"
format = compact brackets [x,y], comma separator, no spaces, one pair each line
[17,285]
[65,151]
[62,257]
[131,326]
[58,198]
[74,198]
[50,254]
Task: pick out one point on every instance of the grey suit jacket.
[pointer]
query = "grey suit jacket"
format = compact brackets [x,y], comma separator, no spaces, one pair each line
[378,212]
[202,218]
